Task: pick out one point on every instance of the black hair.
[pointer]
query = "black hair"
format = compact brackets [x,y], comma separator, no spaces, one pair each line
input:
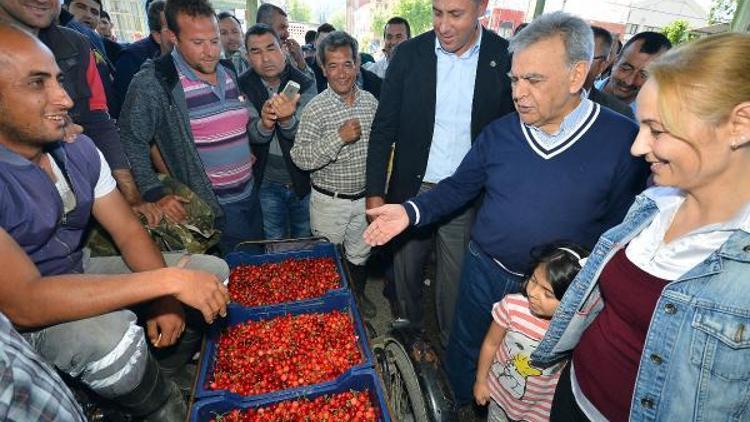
[653,42]
[225,15]
[560,265]
[398,20]
[604,35]
[105,15]
[336,40]
[520,28]
[326,28]
[266,12]
[192,8]
[310,36]
[261,29]
[99,2]
[155,8]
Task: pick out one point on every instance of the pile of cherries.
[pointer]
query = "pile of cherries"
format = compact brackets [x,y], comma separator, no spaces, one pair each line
[347,406]
[258,357]
[286,281]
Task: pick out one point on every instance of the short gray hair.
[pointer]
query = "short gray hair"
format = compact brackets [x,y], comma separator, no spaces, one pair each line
[334,41]
[575,32]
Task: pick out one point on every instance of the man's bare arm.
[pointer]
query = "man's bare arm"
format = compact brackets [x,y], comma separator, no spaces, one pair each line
[138,249]
[31,300]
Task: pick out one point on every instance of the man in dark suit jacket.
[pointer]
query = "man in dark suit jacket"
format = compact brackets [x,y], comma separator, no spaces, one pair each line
[610,101]
[602,51]
[440,90]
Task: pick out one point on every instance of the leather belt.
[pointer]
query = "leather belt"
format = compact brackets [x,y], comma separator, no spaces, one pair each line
[351,197]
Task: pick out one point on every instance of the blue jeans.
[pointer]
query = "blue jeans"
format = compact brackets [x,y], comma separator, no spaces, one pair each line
[242,221]
[285,215]
[483,283]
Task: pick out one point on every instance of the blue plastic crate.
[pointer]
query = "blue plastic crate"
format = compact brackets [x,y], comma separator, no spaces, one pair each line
[205,410]
[323,250]
[341,302]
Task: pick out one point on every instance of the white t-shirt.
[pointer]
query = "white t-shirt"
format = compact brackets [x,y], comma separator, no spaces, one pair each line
[104,185]
[670,261]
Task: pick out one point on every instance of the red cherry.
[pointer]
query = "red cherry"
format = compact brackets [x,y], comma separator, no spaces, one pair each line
[286,281]
[258,357]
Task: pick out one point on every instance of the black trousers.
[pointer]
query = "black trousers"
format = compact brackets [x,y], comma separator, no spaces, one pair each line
[564,406]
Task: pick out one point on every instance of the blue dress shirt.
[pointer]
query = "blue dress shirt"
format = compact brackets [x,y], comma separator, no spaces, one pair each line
[451,138]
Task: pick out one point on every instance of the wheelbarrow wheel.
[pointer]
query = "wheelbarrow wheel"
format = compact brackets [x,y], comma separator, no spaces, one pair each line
[401,383]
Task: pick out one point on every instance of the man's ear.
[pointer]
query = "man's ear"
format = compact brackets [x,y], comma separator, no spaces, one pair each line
[739,120]
[578,76]
[171,36]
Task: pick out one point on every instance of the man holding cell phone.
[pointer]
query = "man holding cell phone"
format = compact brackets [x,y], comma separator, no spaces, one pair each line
[279,91]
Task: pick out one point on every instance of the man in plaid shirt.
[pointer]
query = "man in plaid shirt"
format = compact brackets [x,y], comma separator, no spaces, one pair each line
[29,389]
[332,144]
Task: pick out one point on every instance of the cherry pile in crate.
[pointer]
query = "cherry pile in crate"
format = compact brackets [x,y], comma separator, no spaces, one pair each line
[347,406]
[286,281]
[259,357]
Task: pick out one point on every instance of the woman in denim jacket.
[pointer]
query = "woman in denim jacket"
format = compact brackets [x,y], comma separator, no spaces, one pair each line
[658,320]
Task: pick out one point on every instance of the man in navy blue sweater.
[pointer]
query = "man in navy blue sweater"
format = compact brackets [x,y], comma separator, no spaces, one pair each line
[558,168]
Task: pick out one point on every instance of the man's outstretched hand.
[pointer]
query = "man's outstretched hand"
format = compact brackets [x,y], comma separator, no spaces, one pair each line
[387,222]
[200,290]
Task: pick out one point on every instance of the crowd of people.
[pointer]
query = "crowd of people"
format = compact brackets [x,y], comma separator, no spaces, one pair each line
[587,202]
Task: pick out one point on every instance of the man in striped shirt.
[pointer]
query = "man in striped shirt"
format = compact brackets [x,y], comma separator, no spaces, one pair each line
[189,104]
[332,143]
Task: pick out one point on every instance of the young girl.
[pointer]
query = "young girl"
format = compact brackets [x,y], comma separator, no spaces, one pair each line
[516,390]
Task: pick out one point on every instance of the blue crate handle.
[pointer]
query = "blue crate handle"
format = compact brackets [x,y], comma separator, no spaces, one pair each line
[278,245]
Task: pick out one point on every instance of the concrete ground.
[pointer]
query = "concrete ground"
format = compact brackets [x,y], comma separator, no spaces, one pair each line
[381,322]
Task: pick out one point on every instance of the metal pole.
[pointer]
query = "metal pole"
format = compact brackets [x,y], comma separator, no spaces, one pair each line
[539,9]
[741,21]
[251,10]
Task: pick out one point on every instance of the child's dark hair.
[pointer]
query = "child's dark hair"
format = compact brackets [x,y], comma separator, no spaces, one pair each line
[561,260]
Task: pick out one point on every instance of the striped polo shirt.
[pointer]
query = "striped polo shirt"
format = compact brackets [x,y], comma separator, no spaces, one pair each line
[522,390]
[218,121]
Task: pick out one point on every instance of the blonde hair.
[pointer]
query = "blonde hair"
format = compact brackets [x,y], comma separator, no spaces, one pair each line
[708,77]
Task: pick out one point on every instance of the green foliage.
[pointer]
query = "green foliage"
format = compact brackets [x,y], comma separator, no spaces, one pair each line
[298,11]
[338,20]
[722,11]
[417,12]
[677,31]
[379,18]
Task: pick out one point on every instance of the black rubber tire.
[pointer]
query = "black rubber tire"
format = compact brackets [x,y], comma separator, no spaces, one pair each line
[401,379]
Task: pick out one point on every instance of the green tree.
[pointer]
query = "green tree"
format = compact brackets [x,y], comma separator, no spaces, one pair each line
[299,11]
[338,20]
[722,11]
[417,12]
[379,18]
[677,31]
